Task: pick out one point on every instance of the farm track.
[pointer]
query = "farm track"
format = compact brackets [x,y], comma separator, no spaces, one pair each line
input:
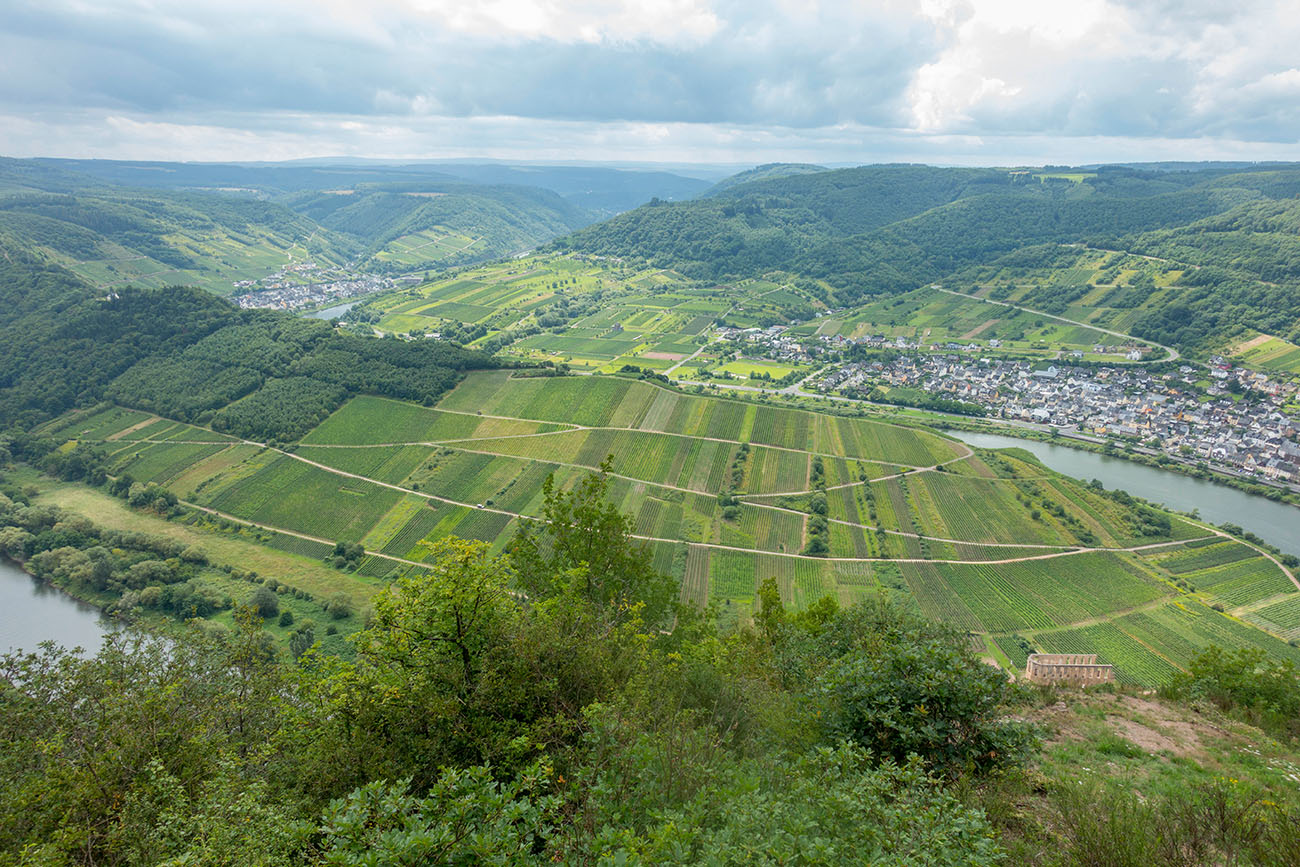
[236,519]
[1172,354]
[571,427]
[1055,550]
[1061,552]
[1049,552]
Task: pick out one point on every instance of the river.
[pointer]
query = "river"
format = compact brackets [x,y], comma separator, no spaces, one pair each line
[32,611]
[1276,523]
[332,312]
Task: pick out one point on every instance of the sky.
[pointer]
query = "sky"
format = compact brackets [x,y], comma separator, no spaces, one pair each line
[989,82]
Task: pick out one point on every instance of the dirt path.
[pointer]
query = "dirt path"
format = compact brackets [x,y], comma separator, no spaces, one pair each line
[979,329]
[1172,354]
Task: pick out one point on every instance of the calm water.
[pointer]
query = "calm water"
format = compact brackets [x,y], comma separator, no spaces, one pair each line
[32,611]
[1276,523]
[331,312]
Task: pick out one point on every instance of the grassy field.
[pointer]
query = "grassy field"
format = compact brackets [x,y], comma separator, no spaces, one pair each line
[991,543]
[1265,351]
[244,551]
[591,315]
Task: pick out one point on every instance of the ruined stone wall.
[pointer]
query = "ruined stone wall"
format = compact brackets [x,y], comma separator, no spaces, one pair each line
[1075,669]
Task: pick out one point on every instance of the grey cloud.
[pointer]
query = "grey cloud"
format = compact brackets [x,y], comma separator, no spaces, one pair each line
[846,65]
[139,61]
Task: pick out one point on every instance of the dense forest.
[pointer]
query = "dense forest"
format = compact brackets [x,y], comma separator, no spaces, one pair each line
[187,354]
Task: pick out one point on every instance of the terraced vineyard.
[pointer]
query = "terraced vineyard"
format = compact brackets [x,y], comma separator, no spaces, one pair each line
[994,545]
[936,315]
[594,315]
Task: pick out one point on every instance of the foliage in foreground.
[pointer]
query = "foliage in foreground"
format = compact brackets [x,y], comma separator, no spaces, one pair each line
[478,725]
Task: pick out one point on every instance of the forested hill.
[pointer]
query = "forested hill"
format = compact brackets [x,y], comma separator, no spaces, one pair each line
[885,229]
[185,353]
[183,227]
[114,236]
[762,173]
[600,189]
[501,219]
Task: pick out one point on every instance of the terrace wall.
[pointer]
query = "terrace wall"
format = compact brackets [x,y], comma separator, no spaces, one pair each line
[1075,669]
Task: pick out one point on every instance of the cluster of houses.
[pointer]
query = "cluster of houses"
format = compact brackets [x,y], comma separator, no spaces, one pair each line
[1249,435]
[306,284]
[772,342]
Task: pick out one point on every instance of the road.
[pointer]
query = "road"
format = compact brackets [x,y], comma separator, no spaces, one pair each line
[1173,353]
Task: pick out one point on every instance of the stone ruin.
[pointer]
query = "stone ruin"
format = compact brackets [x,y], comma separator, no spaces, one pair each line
[1073,669]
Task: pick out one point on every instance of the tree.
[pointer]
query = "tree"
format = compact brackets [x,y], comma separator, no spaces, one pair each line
[436,625]
[265,603]
[770,615]
[900,686]
[339,605]
[585,541]
[467,818]
[302,638]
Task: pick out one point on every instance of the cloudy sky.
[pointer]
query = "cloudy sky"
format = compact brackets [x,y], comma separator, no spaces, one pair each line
[939,81]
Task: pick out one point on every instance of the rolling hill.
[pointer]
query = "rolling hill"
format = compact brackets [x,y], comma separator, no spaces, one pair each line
[887,229]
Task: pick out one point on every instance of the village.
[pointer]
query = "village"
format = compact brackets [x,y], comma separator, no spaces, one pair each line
[1236,423]
[306,284]
[1228,417]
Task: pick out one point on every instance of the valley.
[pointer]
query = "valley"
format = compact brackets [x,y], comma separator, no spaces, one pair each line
[725,494]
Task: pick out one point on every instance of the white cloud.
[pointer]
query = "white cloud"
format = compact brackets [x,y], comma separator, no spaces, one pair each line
[663,21]
[897,78]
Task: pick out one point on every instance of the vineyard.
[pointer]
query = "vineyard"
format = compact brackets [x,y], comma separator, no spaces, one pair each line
[1148,647]
[726,494]
[1032,594]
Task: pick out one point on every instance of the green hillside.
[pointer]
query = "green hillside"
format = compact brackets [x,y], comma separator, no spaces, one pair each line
[196,225]
[888,229]
[114,237]
[762,173]
[478,222]
[725,494]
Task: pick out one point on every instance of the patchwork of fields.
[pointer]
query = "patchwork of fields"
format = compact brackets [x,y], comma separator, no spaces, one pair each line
[991,543]
[936,316]
[590,315]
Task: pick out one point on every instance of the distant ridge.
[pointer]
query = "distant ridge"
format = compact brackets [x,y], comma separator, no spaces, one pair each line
[765,172]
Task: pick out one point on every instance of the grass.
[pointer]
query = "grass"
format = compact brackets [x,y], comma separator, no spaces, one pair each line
[491,442]
[751,368]
[222,547]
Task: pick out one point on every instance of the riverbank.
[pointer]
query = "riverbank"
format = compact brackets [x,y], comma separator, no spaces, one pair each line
[1273,522]
[34,611]
[902,414]
[1276,492]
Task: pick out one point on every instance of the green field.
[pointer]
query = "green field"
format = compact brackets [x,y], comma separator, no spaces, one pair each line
[590,315]
[428,247]
[989,543]
[1265,351]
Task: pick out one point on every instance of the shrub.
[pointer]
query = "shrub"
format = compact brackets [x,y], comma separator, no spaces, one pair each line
[339,605]
[266,603]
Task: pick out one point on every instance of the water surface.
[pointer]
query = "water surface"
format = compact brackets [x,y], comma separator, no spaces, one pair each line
[332,312]
[32,611]
[1276,523]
